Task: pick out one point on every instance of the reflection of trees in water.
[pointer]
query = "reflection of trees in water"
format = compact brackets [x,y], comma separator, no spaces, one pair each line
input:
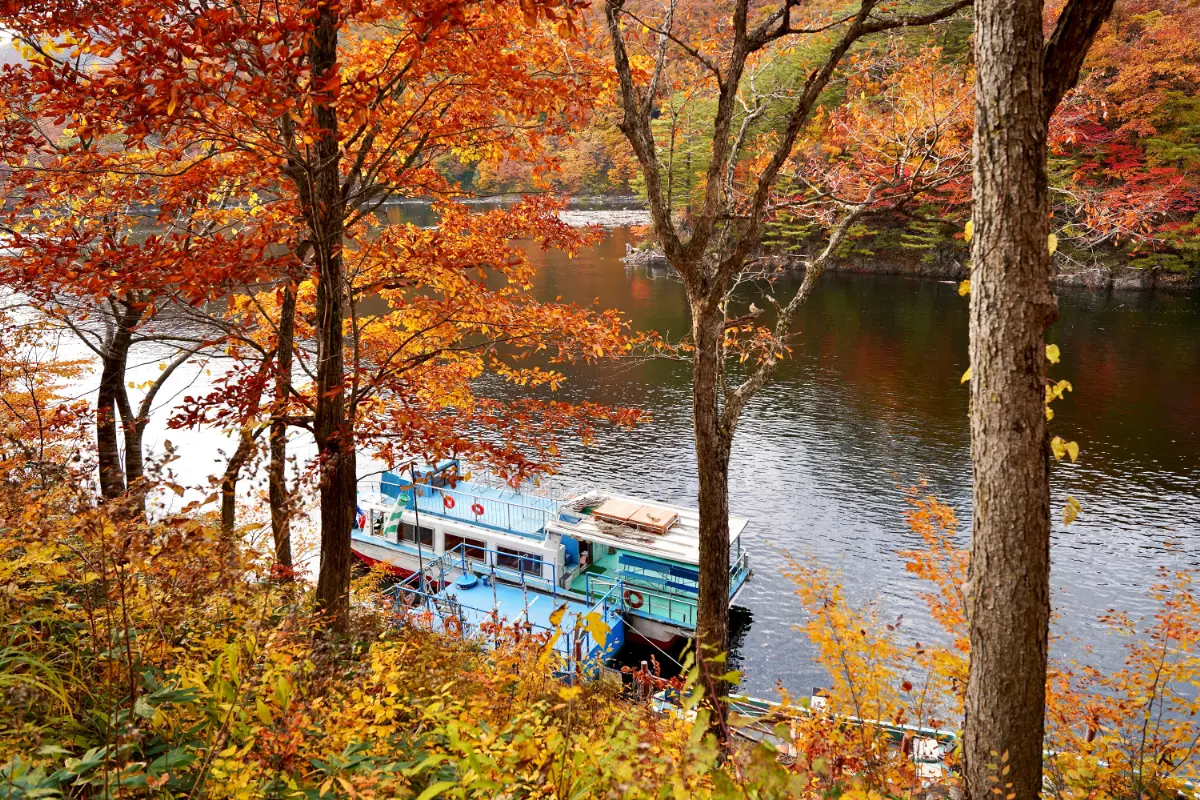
[740,620]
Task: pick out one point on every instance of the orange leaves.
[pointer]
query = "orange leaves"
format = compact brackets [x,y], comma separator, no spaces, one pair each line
[904,131]
[450,309]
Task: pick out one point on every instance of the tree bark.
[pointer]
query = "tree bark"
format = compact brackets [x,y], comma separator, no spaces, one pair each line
[335,441]
[1011,306]
[229,480]
[109,398]
[277,491]
[712,467]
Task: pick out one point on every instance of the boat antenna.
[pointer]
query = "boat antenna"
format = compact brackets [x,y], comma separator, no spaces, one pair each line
[495,597]
[412,468]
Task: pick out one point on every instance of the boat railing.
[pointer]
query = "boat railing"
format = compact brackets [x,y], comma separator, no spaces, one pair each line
[738,570]
[428,587]
[657,603]
[664,605]
[610,601]
[480,508]
[465,558]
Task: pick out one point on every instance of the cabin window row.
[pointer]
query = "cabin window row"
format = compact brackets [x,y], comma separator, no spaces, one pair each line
[476,550]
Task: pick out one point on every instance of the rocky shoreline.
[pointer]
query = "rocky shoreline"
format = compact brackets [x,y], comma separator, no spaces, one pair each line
[950,266]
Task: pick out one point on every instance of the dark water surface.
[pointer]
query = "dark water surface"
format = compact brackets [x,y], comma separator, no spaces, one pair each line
[870,402]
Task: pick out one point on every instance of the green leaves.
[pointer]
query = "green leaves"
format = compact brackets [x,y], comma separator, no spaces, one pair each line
[434,789]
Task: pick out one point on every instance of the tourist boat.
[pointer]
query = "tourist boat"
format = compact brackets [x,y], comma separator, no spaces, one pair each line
[580,548]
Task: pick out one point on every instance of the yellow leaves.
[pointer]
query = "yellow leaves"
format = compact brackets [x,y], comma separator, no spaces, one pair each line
[1071,510]
[969,230]
[594,623]
[1057,390]
[263,712]
[966,376]
[964,288]
[1052,243]
[1062,448]
[1052,353]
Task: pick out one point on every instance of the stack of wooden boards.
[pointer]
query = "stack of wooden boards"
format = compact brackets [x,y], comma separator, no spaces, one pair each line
[636,515]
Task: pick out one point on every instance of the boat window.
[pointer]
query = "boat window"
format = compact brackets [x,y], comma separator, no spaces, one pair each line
[409,533]
[474,549]
[515,559]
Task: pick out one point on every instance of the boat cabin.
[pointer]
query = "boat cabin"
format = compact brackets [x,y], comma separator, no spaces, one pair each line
[583,546]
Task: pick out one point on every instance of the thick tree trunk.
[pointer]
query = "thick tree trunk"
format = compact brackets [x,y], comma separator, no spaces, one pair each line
[334,435]
[277,490]
[712,464]
[1011,306]
[110,397]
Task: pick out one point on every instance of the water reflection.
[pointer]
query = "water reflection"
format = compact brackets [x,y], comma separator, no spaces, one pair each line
[871,402]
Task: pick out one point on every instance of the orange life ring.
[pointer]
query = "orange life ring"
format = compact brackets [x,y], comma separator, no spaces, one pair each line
[453,625]
[634,598]
[477,509]
[447,501]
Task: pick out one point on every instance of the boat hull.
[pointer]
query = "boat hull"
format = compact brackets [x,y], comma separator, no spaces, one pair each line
[655,633]
[395,564]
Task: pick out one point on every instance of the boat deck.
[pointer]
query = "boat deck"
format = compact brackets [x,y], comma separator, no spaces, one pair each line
[513,604]
[517,605]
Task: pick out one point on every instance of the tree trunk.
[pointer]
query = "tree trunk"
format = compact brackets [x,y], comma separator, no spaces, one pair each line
[110,396]
[335,440]
[712,466]
[133,427]
[229,480]
[1011,306]
[277,490]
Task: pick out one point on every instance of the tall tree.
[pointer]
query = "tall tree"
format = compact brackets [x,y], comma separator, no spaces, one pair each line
[328,109]
[1020,80]
[711,253]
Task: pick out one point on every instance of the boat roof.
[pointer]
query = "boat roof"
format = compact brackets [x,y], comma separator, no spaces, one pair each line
[680,543]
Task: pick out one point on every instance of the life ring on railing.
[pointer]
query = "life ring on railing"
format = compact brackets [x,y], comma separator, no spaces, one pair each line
[447,501]
[453,625]
[477,509]
[634,598]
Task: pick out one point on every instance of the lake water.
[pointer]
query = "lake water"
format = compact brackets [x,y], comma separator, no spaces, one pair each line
[870,402]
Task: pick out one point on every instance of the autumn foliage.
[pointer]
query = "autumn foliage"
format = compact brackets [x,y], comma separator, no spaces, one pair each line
[1121,732]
